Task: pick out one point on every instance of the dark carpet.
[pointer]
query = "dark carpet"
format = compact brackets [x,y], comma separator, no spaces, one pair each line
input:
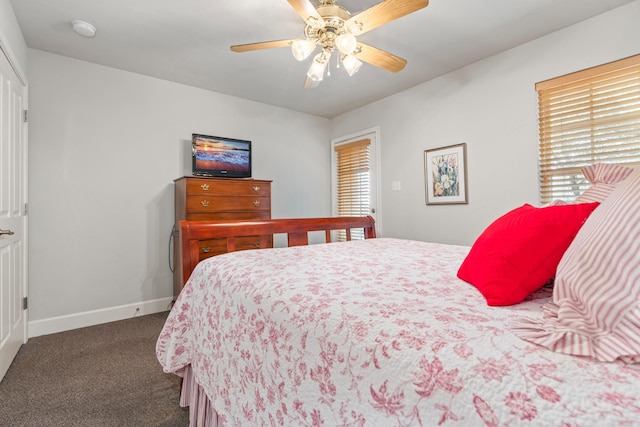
[104,375]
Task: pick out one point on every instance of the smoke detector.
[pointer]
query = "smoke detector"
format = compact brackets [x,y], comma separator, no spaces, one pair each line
[83,28]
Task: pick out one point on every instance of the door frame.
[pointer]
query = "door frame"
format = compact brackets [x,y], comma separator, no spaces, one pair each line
[374,134]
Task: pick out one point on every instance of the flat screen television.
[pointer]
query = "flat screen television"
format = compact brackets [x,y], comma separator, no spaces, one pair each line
[221,157]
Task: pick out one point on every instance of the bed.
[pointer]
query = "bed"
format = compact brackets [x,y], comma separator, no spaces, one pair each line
[372,332]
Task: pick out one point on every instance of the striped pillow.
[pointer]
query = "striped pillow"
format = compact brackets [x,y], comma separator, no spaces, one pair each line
[603,177]
[596,299]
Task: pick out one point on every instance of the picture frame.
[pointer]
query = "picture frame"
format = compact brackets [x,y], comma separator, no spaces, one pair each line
[445,171]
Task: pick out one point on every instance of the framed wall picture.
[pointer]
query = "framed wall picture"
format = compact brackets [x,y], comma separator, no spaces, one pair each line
[445,171]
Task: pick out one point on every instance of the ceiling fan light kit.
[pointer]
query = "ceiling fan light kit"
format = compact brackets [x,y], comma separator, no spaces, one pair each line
[346,43]
[333,28]
[319,64]
[351,64]
[302,48]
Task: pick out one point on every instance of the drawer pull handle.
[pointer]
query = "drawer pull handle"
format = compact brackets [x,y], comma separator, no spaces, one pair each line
[257,244]
[205,187]
[256,203]
[206,249]
[204,203]
[256,188]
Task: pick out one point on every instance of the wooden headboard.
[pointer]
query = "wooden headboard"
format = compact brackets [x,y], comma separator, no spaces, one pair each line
[297,229]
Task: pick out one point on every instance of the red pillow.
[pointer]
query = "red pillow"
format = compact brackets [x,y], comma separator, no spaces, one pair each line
[519,252]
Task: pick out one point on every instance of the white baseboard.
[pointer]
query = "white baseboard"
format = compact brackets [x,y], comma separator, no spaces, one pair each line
[53,325]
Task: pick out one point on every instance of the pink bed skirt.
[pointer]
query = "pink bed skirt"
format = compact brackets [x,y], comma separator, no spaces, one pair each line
[201,413]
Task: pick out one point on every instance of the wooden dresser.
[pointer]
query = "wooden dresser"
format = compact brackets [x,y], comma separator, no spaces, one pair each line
[206,199]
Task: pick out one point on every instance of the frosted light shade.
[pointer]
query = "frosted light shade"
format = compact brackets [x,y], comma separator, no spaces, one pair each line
[302,48]
[351,64]
[346,43]
[83,28]
[316,71]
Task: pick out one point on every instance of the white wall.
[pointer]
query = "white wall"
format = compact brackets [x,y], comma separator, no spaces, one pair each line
[491,106]
[105,147]
[11,38]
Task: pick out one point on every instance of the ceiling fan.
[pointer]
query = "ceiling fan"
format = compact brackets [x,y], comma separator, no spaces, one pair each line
[332,28]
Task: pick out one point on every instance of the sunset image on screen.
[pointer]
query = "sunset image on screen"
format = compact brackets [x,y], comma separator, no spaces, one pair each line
[212,154]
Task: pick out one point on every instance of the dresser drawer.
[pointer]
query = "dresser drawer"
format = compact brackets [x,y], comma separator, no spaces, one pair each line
[227,216]
[228,188]
[226,204]
[209,248]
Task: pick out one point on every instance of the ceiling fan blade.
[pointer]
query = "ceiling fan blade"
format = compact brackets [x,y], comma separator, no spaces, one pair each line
[382,13]
[310,83]
[307,11]
[262,45]
[380,58]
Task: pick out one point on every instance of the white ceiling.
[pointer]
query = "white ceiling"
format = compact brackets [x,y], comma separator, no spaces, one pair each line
[187,41]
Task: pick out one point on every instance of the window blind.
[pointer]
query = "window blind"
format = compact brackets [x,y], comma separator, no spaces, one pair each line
[353,182]
[592,116]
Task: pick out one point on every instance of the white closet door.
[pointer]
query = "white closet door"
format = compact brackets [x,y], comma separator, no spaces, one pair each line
[13,220]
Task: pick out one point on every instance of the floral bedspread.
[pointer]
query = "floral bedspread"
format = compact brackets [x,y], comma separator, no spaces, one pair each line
[378,332]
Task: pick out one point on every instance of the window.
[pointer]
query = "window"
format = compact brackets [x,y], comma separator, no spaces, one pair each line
[587,117]
[353,182]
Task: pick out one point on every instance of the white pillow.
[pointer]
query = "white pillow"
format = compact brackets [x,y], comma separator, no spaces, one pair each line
[596,298]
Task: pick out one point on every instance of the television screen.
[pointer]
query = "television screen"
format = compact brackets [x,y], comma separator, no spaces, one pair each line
[221,157]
